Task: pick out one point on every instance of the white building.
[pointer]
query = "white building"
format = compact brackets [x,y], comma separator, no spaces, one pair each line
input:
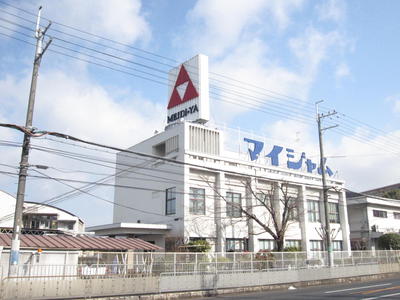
[371,217]
[198,197]
[38,218]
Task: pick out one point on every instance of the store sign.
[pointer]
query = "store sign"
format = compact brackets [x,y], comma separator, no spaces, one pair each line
[276,155]
[188,93]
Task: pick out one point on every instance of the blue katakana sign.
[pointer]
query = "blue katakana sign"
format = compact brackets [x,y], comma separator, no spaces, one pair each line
[274,156]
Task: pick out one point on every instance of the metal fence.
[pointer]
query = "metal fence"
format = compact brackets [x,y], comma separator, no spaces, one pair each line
[135,264]
[98,274]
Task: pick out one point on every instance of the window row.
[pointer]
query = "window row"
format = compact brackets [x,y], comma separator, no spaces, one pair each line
[234,206]
[383,214]
[242,244]
[313,211]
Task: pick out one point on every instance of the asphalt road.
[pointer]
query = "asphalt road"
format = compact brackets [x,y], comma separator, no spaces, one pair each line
[379,289]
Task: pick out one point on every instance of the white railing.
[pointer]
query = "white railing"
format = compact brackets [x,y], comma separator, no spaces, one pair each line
[126,265]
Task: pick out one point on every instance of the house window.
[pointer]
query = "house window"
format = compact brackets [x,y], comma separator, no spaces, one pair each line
[379,213]
[316,245]
[292,244]
[233,204]
[197,201]
[337,245]
[396,215]
[170,201]
[266,244]
[236,245]
[333,211]
[313,211]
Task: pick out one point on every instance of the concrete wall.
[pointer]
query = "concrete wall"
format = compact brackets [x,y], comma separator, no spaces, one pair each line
[87,287]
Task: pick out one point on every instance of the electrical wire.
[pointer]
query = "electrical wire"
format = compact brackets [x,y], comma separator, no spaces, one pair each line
[280,113]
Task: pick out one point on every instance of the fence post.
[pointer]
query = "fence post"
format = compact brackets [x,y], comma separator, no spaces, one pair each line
[251,261]
[234,261]
[195,263]
[174,263]
[216,262]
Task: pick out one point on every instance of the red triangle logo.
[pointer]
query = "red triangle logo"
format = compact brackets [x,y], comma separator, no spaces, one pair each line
[184,95]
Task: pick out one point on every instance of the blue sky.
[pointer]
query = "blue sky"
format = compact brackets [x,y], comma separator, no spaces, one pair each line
[345,52]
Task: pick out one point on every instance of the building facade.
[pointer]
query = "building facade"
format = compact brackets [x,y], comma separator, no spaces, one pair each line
[370,218]
[194,181]
[199,197]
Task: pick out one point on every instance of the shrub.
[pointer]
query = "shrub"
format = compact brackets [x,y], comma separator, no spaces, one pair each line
[199,246]
[389,241]
[264,255]
[292,249]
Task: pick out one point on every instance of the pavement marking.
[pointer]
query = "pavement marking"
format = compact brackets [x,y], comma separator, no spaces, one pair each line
[378,290]
[357,288]
[384,296]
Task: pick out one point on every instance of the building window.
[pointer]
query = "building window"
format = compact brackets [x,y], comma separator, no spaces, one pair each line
[263,198]
[266,244]
[313,211]
[292,244]
[379,213]
[197,201]
[396,215]
[170,201]
[333,212]
[236,245]
[316,245]
[292,209]
[233,205]
[337,245]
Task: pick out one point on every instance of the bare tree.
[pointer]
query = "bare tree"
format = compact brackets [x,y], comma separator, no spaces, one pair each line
[279,205]
[273,209]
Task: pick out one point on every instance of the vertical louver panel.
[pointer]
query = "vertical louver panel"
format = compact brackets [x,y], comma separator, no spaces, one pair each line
[203,140]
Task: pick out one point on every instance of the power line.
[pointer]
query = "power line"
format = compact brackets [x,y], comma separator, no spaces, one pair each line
[248,104]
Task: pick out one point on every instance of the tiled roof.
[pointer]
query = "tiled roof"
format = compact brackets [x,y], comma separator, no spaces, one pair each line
[65,242]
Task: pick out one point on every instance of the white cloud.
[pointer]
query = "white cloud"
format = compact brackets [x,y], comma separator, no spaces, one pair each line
[363,164]
[250,64]
[218,25]
[314,46]
[120,20]
[367,164]
[80,107]
[77,106]
[342,70]
[397,106]
[395,99]
[332,10]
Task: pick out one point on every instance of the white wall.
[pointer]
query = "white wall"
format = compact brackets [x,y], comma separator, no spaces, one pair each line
[213,173]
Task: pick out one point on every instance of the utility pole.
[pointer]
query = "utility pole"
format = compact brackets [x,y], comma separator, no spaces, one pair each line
[324,186]
[23,166]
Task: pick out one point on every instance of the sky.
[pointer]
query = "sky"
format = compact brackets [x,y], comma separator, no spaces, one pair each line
[286,54]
